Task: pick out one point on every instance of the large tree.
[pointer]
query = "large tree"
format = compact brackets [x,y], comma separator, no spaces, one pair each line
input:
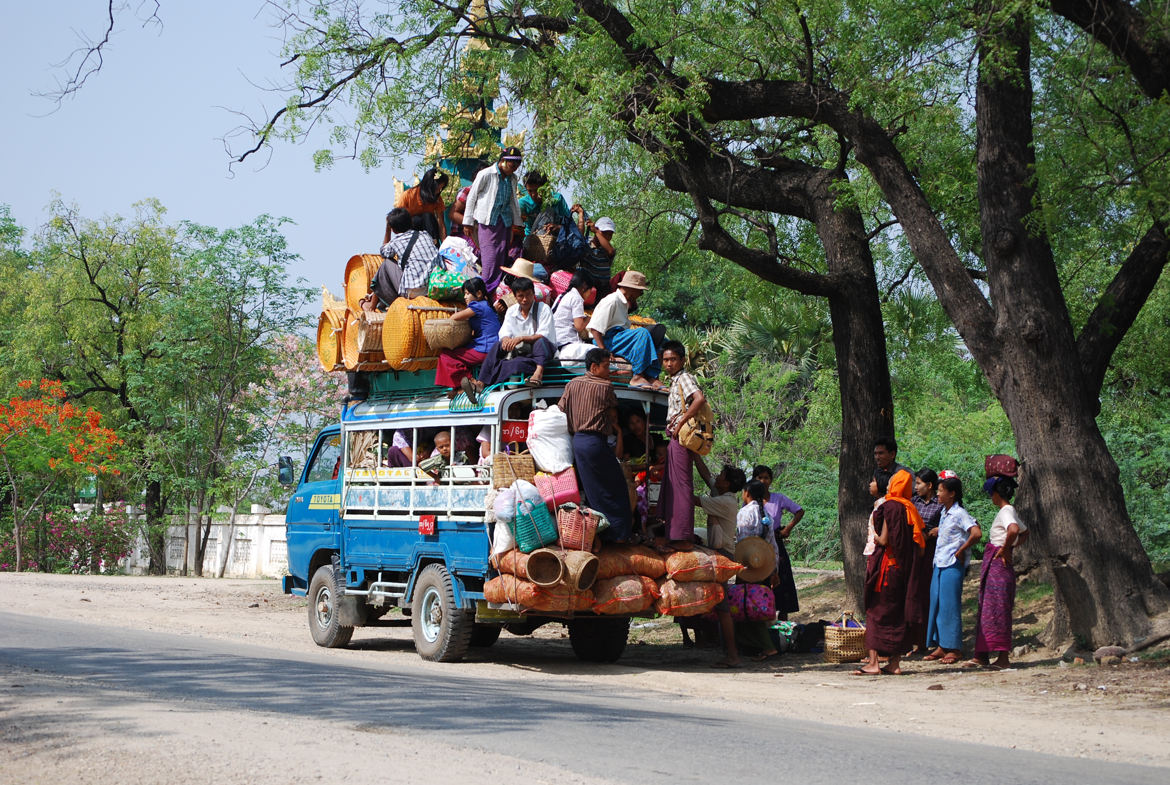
[982,130]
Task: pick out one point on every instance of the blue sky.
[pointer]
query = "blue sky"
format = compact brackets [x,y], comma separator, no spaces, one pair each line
[150,125]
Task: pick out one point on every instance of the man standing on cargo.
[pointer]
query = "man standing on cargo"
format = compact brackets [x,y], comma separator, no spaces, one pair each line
[588,403]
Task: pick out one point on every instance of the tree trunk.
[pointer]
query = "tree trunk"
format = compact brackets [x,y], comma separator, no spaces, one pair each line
[156,536]
[863,372]
[1070,495]
[1112,596]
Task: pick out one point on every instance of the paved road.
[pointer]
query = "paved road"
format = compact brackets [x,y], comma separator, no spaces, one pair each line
[638,737]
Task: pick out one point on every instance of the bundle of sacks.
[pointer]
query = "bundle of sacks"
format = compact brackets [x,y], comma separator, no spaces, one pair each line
[618,580]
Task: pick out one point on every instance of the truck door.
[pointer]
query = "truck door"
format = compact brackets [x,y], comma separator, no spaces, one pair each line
[311,520]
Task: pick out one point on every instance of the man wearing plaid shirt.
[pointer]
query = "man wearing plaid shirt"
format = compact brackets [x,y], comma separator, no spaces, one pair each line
[678,484]
[418,262]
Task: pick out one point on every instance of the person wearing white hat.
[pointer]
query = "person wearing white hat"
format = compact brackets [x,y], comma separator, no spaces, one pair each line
[598,261]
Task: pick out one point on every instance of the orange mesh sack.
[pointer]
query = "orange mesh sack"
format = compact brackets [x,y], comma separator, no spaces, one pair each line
[615,560]
[689,598]
[701,565]
[509,588]
[624,594]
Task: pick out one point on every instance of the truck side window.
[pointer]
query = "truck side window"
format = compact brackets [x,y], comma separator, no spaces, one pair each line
[325,461]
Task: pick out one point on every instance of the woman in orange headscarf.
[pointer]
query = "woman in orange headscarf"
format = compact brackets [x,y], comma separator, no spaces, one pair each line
[893,572]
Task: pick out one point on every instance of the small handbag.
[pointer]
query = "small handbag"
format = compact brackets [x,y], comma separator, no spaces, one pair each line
[697,434]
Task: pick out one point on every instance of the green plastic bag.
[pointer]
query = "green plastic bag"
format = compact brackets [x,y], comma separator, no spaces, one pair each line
[444,285]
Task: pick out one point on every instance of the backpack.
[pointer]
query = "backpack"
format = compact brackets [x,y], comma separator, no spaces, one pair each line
[570,246]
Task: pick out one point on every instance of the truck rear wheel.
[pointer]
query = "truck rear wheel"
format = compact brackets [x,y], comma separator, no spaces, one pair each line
[599,640]
[442,630]
[323,616]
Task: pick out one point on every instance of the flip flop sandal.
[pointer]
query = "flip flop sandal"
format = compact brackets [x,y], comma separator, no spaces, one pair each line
[949,659]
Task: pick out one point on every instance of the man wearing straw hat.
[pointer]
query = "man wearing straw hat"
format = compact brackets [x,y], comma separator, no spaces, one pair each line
[588,403]
[610,329]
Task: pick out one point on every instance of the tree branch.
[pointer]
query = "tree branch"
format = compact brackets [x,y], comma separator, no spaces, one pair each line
[1128,34]
[1120,303]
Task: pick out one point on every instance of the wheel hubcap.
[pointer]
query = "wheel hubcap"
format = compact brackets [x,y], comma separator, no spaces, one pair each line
[324,607]
[431,619]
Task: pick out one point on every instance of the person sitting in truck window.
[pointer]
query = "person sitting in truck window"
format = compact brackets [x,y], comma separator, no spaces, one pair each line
[484,440]
[399,454]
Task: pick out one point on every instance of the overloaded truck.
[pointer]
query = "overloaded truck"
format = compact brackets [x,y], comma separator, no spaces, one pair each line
[369,532]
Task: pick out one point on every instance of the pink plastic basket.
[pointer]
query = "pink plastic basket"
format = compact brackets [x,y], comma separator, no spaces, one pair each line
[559,488]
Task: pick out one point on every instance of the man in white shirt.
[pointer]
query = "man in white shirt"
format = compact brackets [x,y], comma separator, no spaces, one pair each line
[526,343]
[610,329]
[493,212]
[722,505]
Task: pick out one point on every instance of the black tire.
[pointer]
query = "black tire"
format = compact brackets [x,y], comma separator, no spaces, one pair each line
[484,635]
[599,640]
[323,618]
[442,630]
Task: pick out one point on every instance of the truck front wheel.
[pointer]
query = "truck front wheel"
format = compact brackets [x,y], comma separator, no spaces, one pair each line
[323,615]
[442,630]
[599,640]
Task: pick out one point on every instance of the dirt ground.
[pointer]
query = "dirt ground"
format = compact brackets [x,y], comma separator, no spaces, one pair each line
[1044,703]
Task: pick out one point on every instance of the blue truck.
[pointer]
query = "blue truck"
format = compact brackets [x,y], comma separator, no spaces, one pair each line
[368,531]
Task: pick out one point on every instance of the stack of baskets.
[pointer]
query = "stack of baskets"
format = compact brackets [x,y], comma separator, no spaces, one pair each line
[398,339]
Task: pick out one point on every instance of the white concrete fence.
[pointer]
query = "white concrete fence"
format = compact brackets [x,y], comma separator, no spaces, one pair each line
[255,546]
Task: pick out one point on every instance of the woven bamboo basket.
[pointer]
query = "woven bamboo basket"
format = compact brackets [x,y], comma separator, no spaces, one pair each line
[354,358]
[404,343]
[446,333]
[507,468]
[844,644]
[329,326]
[359,271]
[370,335]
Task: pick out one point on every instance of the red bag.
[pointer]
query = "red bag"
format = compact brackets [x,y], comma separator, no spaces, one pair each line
[1000,466]
[557,489]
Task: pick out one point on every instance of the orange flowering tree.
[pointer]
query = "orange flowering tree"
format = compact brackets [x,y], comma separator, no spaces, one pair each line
[45,441]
